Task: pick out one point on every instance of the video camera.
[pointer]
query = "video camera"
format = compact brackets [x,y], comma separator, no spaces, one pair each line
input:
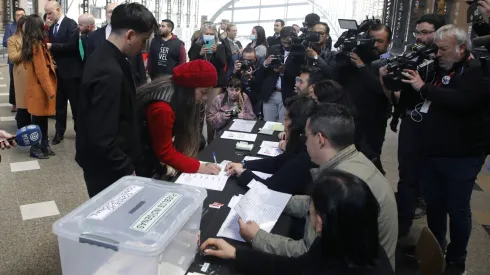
[421,59]
[473,14]
[245,65]
[356,36]
[277,60]
[305,40]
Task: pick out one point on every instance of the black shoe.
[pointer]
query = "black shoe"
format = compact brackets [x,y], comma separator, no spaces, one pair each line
[37,152]
[46,148]
[57,139]
[453,268]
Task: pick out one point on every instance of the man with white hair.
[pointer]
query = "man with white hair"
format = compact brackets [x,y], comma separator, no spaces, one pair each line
[86,24]
[456,139]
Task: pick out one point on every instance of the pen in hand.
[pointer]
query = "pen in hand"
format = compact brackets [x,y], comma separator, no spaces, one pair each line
[214,156]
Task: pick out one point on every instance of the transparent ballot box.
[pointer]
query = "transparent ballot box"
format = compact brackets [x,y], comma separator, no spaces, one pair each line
[137,226]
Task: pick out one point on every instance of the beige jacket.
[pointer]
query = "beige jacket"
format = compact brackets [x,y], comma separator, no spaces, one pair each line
[354,162]
[14,50]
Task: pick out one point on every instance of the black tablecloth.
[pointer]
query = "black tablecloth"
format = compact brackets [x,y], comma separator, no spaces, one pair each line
[212,219]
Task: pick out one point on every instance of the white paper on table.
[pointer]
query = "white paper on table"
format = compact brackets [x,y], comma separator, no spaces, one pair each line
[239,136]
[256,184]
[262,206]
[276,126]
[234,201]
[230,228]
[211,182]
[271,152]
[262,175]
[242,125]
[270,144]
[249,158]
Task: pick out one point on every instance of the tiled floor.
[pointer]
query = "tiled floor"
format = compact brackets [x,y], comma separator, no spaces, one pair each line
[32,192]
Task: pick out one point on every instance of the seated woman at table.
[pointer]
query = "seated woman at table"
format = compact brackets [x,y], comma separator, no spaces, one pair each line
[344,213]
[232,103]
[169,108]
[291,169]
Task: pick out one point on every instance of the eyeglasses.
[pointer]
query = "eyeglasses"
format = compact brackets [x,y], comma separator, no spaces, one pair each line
[422,33]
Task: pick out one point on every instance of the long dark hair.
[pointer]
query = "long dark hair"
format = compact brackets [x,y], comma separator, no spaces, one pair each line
[330,91]
[299,108]
[20,24]
[186,109]
[33,36]
[349,213]
[261,38]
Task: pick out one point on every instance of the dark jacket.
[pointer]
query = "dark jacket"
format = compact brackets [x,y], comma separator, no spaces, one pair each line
[230,58]
[311,263]
[97,38]
[288,80]
[10,30]
[218,59]
[164,56]
[84,41]
[108,140]
[64,48]
[458,119]
[273,40]
[291,173]
[251,87]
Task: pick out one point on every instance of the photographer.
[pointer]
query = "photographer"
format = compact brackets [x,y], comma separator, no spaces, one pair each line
[455,139]
[482,27]
[317,53]
[407,104]
[279,72]
[245,69]
[352,70]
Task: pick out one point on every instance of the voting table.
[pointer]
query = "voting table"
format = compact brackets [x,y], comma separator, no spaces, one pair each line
[212,218]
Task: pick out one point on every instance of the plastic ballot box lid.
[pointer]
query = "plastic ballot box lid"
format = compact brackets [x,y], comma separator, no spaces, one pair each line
[134,215]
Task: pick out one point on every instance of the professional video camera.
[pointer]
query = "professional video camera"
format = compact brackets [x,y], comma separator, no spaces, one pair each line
[420,59]
[356,36]
[307,38]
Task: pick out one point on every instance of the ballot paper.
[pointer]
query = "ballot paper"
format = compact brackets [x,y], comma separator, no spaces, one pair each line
[243,125]
[230,228]
[234,200]
[270,144]
[239,136]
[211,182]
[270,152]
[263,206]
[275,126]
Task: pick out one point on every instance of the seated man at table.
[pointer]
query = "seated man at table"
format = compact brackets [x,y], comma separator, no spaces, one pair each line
[330,143]
[291,169]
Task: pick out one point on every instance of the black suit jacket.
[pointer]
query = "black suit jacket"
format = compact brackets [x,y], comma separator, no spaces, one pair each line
[108,140]
[64,48]
[288,80]
[97,38]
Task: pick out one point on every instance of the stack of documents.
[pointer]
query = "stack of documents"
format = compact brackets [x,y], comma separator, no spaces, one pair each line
[269,148]
[239,136]
[260,205]
[243,125]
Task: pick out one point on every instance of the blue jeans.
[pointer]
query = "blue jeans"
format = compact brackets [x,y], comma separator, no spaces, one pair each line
[273,108]
[447,186]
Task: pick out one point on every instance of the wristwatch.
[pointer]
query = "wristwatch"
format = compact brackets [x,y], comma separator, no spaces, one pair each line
[244,164]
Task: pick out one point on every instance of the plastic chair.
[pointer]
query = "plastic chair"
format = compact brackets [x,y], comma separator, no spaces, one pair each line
[428,254]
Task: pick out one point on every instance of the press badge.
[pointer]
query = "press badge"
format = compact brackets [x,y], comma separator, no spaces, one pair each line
[425,107]
[446,80]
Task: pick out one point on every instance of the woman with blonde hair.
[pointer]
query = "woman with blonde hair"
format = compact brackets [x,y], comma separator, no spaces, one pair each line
[40,81]
[14,50]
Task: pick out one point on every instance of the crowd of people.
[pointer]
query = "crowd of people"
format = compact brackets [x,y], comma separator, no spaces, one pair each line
[148,120]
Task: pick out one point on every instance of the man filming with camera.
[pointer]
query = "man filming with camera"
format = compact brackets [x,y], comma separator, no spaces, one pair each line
[245,69]
[351,67]
[407,104]
[317,53]
[455,139]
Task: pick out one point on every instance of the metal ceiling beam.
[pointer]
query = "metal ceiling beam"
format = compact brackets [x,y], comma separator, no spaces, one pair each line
[269,6]
[322,12]
[265,21]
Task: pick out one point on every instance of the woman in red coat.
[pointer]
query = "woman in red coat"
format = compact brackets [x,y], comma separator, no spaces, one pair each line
[169,107]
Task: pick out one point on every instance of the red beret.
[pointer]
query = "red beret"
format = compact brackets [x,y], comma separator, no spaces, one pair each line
[194,74]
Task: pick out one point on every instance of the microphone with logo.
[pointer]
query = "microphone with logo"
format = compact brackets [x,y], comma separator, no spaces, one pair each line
[27,136]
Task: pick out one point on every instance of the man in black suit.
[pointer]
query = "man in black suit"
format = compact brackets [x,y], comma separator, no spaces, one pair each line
[86,23]
[63,37]
[233,49]
[108,143]
[98,37]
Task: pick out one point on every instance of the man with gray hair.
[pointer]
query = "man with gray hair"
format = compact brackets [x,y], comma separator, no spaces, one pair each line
[456,139]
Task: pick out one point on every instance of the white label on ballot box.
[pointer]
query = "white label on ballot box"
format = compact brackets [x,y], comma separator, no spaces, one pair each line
[105,210]
[158,210]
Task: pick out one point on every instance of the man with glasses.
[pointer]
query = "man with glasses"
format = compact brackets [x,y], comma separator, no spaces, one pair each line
[407,105]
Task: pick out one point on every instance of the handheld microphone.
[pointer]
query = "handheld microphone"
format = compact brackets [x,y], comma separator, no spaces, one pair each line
[27,136]
[482,41]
